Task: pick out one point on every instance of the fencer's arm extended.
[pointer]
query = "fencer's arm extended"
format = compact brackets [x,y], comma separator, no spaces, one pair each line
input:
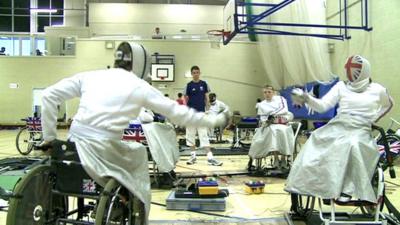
[53,96]
[325,103]
[178,114]
[386,104]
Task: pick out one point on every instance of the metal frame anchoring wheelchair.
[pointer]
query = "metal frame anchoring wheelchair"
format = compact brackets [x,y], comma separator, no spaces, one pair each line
[303,206]
[43,195]
[246,126]
[261,169]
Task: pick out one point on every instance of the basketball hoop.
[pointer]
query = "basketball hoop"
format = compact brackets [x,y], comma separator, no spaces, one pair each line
[215,37]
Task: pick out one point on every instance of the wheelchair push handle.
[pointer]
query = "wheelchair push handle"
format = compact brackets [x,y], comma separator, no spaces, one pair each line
[389,156]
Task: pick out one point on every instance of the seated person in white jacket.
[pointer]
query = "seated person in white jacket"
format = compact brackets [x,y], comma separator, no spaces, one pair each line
[216,107]
[108,100]
[274,135]
[339,158]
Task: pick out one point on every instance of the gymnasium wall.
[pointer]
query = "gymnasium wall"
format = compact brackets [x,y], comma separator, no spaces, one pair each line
[141,19]
[381,46]
[234,72]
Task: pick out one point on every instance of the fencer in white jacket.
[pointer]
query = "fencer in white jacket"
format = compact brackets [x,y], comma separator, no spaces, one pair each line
[108,100]
[277,138]
[339,159]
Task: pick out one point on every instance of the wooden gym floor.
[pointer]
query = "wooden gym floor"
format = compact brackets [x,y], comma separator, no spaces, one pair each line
[241,208]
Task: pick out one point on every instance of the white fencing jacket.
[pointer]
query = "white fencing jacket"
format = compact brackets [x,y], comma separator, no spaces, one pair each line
[108,100]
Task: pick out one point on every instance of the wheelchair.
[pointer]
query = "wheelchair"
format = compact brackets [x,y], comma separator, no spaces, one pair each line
[303,207]
[44,194]
[216,134]
[264,168]
[159,179]
[244,129]
[29,135]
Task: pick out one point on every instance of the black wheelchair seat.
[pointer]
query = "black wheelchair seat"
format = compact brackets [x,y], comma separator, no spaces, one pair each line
[71,177]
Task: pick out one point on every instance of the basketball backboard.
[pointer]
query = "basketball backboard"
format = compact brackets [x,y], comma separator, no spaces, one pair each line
[162,72]
[233,18]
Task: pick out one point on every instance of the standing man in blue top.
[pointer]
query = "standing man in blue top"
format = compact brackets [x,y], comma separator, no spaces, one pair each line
[196,93]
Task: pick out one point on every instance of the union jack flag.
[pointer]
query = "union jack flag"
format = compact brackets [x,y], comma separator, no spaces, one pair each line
[88,186]
[353,68]
[34,124]
[134,133]
[394,148]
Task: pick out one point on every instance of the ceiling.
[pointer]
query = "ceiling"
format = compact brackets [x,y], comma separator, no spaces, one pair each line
[196,2]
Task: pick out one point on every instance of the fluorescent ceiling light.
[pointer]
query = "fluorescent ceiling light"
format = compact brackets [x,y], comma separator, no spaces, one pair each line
[196,37]
[43,10]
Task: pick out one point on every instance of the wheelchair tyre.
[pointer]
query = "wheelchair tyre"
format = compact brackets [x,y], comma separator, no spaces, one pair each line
[391,138]
[33,202]
[114,208]
[24,141]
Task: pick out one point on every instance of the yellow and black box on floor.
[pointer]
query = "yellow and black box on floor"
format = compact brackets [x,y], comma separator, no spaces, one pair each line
[207,186]
[254,187]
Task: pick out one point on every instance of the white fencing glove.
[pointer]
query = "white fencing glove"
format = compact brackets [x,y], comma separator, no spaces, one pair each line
[146,116]
[299,97]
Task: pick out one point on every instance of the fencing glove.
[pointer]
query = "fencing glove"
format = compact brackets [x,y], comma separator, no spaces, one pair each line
[299,97]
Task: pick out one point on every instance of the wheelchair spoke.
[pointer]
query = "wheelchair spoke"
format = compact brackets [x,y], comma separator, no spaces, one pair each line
[119,208]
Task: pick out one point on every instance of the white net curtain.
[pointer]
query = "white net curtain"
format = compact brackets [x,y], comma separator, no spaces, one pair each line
[290,60]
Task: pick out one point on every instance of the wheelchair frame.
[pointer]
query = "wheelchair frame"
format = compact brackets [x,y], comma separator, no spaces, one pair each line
[260,170]
[301,211]
[239,126]
[37,199]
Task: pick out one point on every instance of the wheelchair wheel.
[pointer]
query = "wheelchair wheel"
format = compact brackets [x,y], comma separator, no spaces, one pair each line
[391,139]
[118,207]
[33,203]
[24,141]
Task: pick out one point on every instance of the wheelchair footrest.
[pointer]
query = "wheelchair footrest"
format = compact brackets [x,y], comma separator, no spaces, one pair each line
[353,203]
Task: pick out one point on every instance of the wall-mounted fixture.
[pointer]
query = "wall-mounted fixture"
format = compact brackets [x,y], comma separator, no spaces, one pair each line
[110,44]
[331,48]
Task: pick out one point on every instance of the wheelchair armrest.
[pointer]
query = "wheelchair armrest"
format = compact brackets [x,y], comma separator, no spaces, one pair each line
[59,148]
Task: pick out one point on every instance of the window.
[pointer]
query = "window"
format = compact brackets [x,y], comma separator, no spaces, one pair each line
[40,44]
[42,22]
[16,16]
[7,43]
[5,23]
[21,7]
[5,7]
[23,45]
[16,46]
[22,23]
[50,19]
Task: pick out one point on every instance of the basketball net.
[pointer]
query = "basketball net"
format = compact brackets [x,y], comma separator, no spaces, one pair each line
[215,37]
